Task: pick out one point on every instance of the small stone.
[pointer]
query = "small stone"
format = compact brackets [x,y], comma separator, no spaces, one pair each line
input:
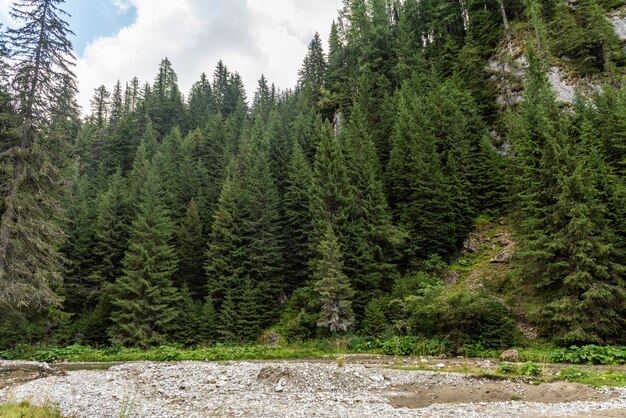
[441,366]
[376,378]
[281,384]
[424,360]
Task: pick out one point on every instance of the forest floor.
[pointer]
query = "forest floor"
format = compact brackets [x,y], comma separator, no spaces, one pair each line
[354,386]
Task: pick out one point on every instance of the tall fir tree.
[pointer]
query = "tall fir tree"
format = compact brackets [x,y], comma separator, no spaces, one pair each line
[371,237]
[145,300]
[30,231]
[298,222]
[191,248]
[332,285]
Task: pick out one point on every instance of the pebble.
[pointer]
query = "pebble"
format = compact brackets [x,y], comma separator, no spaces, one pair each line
[186,389]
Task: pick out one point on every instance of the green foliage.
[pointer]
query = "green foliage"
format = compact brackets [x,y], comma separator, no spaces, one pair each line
[597,379]
[332,285]
[528,369]
[585,35]
[374,321]
[569,250]
[400,346]
[144,301]
[589,354]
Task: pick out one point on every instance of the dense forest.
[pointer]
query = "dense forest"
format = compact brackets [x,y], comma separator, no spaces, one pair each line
[333,207]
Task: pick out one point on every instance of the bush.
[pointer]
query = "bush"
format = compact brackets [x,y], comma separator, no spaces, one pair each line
[417,284]
[374,323]
[472,317]
[400,346]
[589,354]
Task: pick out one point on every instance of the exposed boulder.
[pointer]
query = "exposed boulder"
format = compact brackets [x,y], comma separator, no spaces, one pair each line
[502,257]
[510,356]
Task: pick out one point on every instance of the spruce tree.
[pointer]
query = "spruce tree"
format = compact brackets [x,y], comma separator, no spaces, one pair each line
[261,227]
[374,322]
[227,318]
[224,256]
[370,235]
[113,215]
[249,320]
[30,232]
[298,222]
[145,301]
[312,74]
[332,285]
[419,193]
[330,193]
[191,249]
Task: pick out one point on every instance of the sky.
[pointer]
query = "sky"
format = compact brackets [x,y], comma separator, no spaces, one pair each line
[120,39]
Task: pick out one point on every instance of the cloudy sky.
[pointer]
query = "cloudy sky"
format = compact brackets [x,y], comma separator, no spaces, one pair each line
[120,39]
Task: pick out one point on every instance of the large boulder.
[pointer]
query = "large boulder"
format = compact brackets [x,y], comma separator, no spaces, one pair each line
[510,356]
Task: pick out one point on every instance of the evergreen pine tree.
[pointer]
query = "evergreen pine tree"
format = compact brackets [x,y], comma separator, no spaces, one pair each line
[332,285]
[298,222]
[30,232]
[370,235]
[374,322]
[145,300]
[224,257]
[113,214]
[418,187]
[249,320]
[191,250]
[227,318]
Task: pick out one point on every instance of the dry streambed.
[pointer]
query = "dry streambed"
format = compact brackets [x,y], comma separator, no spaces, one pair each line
[311,389]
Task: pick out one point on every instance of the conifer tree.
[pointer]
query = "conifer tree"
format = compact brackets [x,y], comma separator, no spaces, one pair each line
[145,301]
[312,74]
[113,215]
[249,320]
[201,104]
[30,233]
[330,193]
[224,257]
[191,250]
[370,235]
[332,285]
[374,322]
[298,222]
[227,318]
[261,227]
[418,186]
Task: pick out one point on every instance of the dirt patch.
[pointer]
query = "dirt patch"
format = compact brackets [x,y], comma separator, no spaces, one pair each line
[547,393]
[16,376]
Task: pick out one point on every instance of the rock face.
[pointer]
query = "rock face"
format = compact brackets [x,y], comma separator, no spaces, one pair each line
[618,20]
[564,92]
[510,355]
[502,257]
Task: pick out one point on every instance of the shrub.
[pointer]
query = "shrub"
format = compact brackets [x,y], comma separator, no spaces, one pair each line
[400,346]
[374,322]
[589,354]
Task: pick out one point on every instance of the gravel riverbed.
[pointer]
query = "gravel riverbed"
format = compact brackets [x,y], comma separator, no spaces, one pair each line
[306,389]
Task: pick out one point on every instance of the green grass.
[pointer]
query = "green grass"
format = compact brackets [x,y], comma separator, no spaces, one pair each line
[541,353]
[533,372]
[26,410]
[77,353]
[593,378]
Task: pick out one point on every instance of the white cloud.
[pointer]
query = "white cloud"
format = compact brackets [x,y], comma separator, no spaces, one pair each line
[252,37]
[122,6]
